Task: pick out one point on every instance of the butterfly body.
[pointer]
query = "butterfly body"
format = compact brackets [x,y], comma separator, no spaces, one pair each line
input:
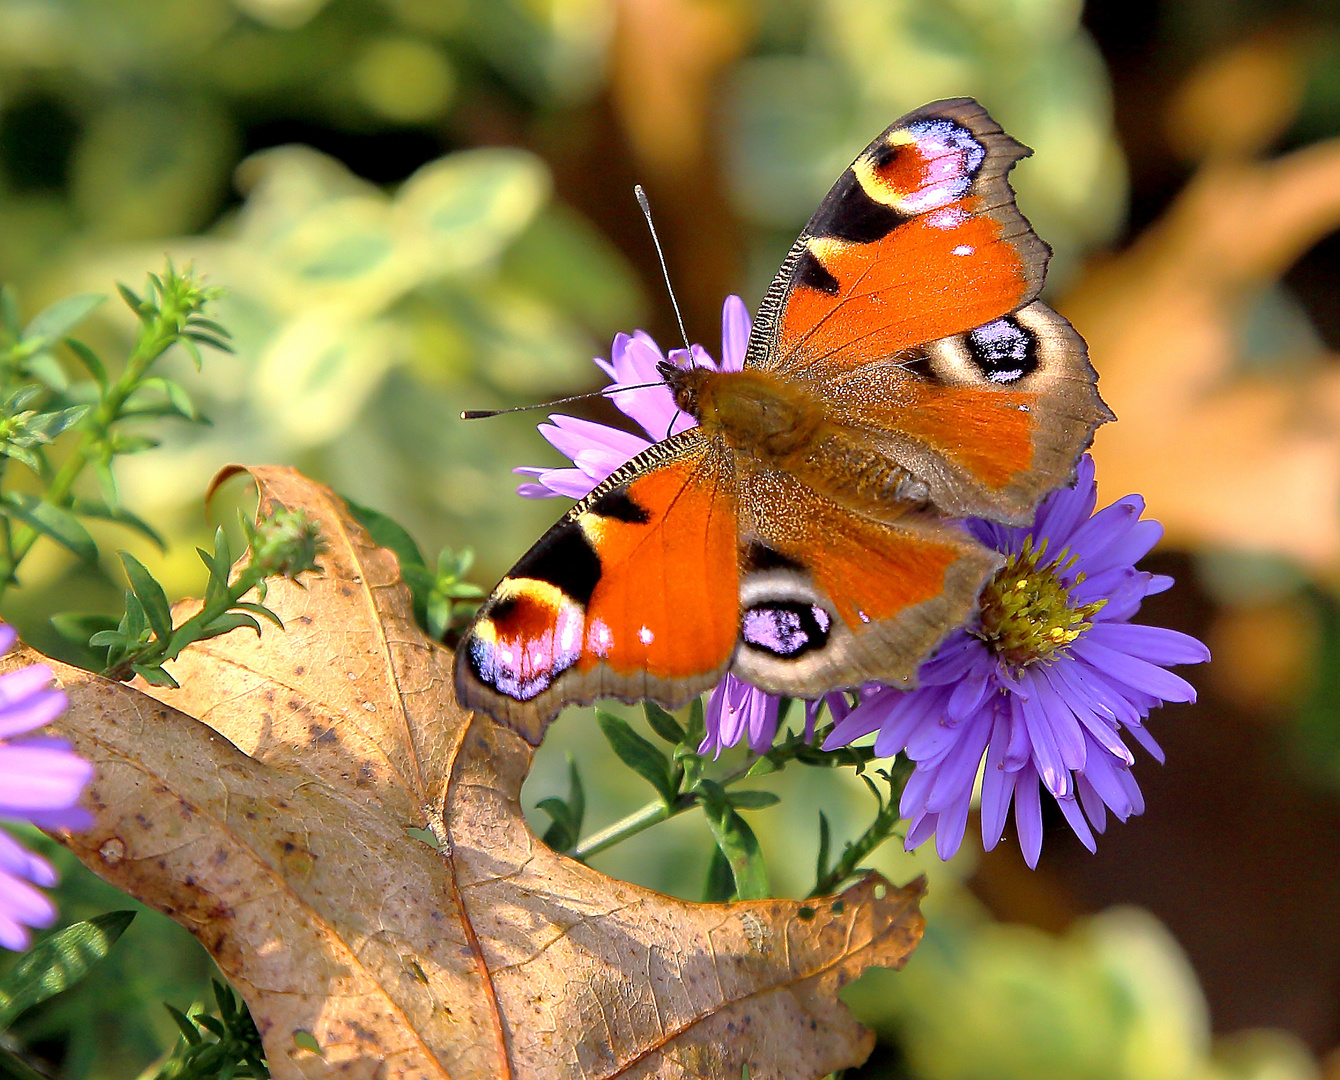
[900,374]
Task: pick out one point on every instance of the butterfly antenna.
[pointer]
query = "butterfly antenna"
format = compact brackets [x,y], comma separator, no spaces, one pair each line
[665,272]
[609,391]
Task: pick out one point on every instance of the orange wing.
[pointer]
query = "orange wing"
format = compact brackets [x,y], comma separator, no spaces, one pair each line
[830,598]
[908,306]
[917,240]
[633,594]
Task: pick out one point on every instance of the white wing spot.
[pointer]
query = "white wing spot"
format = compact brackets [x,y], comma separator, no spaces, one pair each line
[645,636]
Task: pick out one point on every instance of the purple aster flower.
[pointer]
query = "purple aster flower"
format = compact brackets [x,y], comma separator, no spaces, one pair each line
[596,450]
[1042,685]
[41,780]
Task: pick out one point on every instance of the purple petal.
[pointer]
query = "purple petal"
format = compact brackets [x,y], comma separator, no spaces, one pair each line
[997,785]
[920,831]
[1070,809]
[1157,644]
[1028,815]
[1092,803]
[35,712]
[1046,751]
[1095,718]
[18,860]
[1102,776]
[20,901]
[1065,726]
[36,777]
[950,826]
[1064,509]
[1134,672]
[1141,734]
[735,327]
[8,635]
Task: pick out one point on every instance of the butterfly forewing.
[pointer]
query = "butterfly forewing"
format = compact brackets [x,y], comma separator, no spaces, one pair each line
[631,595]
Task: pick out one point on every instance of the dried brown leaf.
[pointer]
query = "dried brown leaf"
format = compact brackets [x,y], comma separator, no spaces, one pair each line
[267,805]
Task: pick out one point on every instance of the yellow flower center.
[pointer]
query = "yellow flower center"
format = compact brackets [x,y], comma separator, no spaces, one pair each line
[1026,610]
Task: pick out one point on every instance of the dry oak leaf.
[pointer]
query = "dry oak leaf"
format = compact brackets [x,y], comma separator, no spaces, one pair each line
[266,807]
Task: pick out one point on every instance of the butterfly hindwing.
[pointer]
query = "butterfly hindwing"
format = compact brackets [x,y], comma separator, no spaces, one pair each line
[832,599]
[631,595]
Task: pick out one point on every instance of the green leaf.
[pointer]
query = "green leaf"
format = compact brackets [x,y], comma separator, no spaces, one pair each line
[51,521]
[665,725]
[13,1067]
[189,1031]
[23,455]
[54,322]
[133,302]
[226,624]
[151,595]
[566,815]
[388,533]
[58,962]
[737,842]
[720,884]
[637,753]
[95,509]
[78,626]
[154,675]
[697,729]
[46,369]
[179,401]
[261,610]
[89,359]
[753,800]
[825,840]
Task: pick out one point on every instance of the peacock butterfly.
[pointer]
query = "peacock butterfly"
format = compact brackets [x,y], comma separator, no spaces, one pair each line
[900,374]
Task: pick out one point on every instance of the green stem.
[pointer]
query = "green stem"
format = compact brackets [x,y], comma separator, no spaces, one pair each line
[155,339]
[880,830]
[160,651]
[653,813]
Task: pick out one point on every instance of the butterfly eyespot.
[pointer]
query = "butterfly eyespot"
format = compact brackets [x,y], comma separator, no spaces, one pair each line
[1003,350]
[785,628]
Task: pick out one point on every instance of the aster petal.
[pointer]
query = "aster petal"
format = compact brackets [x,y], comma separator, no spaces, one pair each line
[1157,644]
[968,694]
[997,784]
[72,818]
[762,708]
[1105,695]
[1070,809]
[1102,776]
[1159,583]
[735,327]
[22,684]
[18,860]
[957,773]
[36,711]
[19,900]
[915,791]
[1018,751]
[950,826]
[40,777]
[1065,725]
[1097,719]
[1046,752]
[1063,511]
[921,830]
[570,435]
[8,635]
[1092,803]
[1141,734]
[1028,815]
[1134,672]
[554,483]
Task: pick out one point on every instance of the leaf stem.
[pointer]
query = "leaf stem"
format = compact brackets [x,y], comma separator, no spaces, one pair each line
[793,746]
[162,324]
